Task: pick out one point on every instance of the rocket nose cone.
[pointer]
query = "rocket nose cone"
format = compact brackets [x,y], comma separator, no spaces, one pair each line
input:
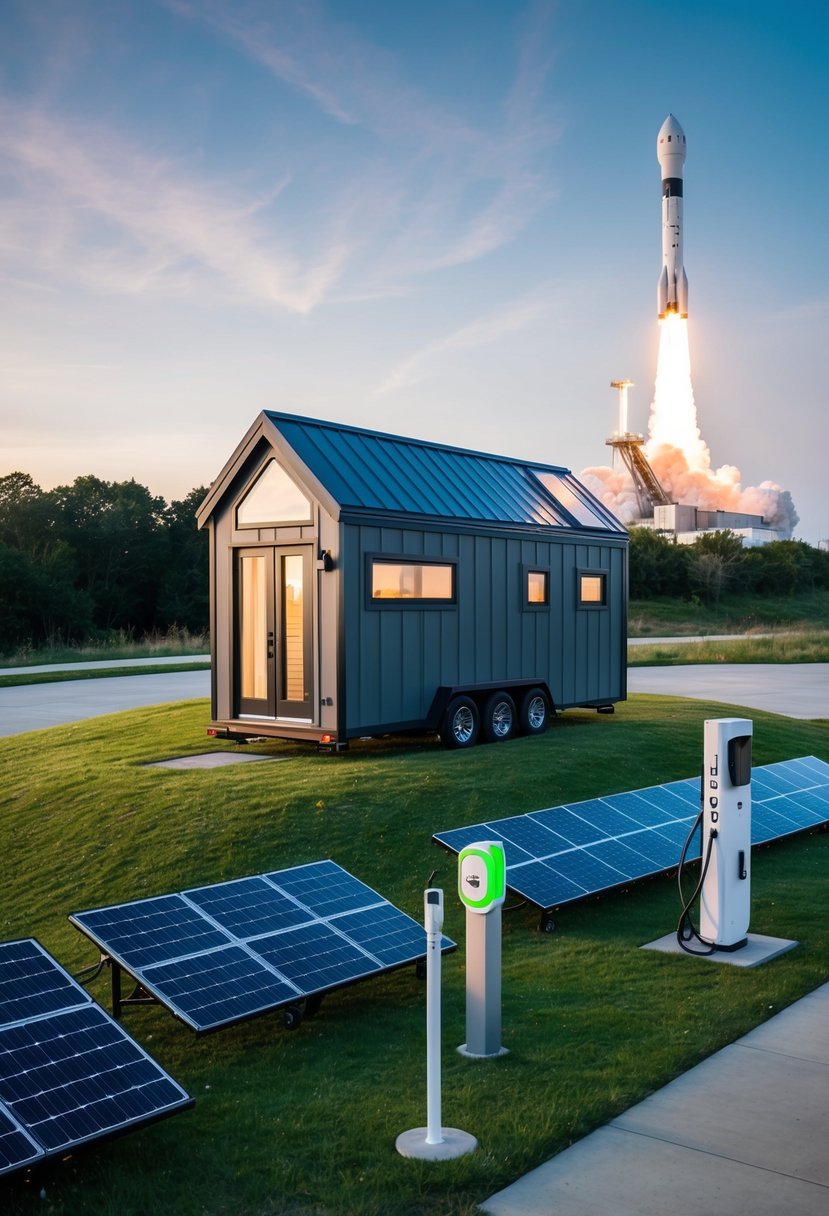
[671,138]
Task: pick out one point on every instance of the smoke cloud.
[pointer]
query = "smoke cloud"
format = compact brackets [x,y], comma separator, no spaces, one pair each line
[679,456]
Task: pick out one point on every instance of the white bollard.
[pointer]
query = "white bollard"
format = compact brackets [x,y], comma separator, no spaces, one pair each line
[434,1142]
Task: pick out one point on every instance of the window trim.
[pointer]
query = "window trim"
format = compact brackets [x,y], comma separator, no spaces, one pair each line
[409,605]
[527,569]
[591,605]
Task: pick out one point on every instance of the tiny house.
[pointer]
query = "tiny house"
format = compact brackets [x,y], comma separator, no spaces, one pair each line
[364,584]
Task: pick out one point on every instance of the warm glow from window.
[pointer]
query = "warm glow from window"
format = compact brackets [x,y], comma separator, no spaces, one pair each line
[404,581]
[537,587]
[592,589]
[273,498]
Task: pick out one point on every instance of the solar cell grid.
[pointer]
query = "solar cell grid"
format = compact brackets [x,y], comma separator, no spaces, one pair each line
[385,932]
[218,987]
[17,1148]
[619,838]
[248,907]
[315,956]
[216,955]
[325,888]
[69,1074]
[151,930]
[31,984]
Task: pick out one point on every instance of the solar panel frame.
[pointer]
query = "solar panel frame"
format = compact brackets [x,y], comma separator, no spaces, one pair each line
[69,1073]
[652,824]
[243,974]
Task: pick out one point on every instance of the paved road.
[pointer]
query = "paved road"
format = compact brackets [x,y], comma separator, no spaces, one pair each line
[32,706]
[800,690]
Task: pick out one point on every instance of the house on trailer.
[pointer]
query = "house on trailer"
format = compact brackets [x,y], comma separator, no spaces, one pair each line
[364,584]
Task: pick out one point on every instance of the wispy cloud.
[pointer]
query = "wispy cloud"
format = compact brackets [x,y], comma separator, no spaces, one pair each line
[88,204]
[449,191]
[483,332]
[419,189]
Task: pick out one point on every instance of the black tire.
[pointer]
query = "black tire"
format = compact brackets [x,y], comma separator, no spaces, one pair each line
[499,721]
[461,724]
[292,1017]
[534,714]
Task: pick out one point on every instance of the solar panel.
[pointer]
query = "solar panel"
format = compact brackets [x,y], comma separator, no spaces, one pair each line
[69,1074]
[217,955]
[564,853]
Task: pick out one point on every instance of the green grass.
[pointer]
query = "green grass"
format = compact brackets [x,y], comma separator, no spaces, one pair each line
[304,1123]
[97,673]
[117,645]
[734,614]
[797,645]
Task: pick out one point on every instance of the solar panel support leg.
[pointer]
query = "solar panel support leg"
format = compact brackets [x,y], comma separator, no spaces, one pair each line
[116,990]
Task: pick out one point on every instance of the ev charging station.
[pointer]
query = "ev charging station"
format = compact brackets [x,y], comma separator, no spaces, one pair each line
[482,888]
[725,897]
[724,885]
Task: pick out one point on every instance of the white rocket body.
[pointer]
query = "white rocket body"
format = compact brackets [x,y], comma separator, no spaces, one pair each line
[672,291]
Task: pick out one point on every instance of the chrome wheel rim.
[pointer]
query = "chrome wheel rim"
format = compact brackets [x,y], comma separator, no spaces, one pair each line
[463,724]
[536,712]
[501,720]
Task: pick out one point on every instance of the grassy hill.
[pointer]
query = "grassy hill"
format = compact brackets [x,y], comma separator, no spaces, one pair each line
[304,1123]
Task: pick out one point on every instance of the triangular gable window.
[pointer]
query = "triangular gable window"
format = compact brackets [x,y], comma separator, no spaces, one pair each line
[272,499]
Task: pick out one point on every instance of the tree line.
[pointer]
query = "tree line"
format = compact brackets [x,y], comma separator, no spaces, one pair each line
[86,560]
[717,563]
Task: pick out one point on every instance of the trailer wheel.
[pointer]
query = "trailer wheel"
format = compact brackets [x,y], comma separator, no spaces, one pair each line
[534,715]
[498,721]
[461,723]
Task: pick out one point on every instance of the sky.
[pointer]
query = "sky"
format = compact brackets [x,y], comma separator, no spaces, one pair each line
[439,219]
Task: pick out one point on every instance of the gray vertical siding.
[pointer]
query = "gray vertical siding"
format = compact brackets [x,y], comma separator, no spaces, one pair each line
[396,658]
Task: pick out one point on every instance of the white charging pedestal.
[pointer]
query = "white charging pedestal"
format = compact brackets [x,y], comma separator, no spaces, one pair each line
[725,898]
[482,888]
[434,1142]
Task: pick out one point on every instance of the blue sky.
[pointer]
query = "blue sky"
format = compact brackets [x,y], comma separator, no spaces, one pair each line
[439,219]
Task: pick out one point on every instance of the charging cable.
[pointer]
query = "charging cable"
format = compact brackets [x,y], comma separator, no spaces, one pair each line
[686,931]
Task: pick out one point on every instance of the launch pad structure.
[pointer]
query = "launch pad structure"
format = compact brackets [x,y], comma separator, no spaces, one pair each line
[627,447]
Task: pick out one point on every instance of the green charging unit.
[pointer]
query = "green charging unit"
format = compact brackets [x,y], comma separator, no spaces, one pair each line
[482,886]
[482,874]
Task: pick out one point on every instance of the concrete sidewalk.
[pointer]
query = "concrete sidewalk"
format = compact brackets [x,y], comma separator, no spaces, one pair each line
[746,1131]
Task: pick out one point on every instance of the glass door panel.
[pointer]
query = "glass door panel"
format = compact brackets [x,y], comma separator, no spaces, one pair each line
[294,599]
[274,665]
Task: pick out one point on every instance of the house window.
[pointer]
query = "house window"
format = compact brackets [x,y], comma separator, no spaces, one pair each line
[272,499]
[538,588]
[430,582]
[592,589]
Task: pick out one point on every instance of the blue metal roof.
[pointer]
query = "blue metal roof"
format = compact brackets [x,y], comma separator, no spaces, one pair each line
[370,471]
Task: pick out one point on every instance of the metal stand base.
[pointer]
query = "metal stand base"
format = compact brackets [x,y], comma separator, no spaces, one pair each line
[463,1050]
[454,1143]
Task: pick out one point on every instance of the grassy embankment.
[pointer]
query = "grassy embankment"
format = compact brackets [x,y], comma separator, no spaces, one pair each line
[774,630]
[172,645]
[303,1124]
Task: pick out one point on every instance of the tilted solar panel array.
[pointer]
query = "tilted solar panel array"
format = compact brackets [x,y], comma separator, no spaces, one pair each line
[69,1074]
[219,954]
[567,852]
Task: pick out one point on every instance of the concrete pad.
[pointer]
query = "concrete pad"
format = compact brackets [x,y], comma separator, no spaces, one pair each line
[757,1107]
[615,1173]
[210,760]
[758,949]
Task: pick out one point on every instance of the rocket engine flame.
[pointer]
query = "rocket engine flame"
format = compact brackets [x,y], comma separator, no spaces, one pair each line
[680,456]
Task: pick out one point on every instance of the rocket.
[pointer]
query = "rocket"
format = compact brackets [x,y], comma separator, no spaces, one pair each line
[672,290]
